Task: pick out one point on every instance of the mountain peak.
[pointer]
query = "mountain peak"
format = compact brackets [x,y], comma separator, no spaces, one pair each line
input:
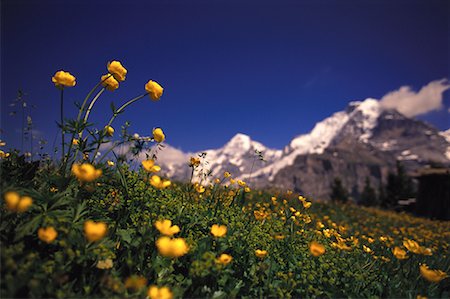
[240,141]
[240,137]
[367,105]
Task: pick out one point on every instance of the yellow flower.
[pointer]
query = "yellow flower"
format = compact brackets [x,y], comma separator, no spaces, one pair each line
[3,154]
[104,264]
[158,135]
[172,247]
[232,181]
[149,166]
[367,249]
[95,231]
[432,275]
[75,141]
[47,234]
[421,297]
[117,70]
[12,199]
[227,174]
[385,259]
[279,237]
[110,163]
[399,253]
[135,282]
[199,188]
[260,215]
[159,293]
[158,183]
[62,78]
[165,227]
[326,232]
[24,203]
[109,82]
[194,162]
[412,246]
[154,90]
[247,189]
[179,247]
[425,251]
[218,230]
[86,172]
[260,253]
[341,245]
[109,131]
[241,183]
[16,203]
[306,204]
[224,259]
[316,249]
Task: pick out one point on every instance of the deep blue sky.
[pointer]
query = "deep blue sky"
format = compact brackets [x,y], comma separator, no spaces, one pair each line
[270,69]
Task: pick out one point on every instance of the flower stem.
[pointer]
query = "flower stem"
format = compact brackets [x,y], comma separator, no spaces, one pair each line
[110,149]
[80,112]
[88,96]
[90,107]
[117,112]
[62,123]
[80,134]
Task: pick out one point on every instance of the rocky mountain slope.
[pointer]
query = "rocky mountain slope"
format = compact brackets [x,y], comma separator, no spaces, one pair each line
[362,141]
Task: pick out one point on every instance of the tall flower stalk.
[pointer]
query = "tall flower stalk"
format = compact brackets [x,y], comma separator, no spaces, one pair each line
[110,81]
[115,114]
[62,123]
[63,79]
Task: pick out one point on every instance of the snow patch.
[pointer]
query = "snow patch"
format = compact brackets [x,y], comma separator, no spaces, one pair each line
[370,109]
[407,157]
[320,136]
[446,135]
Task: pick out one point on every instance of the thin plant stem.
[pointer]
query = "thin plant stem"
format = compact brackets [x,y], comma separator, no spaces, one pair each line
[117,112]
[109,150]
[80,112]
[31,141]
[62,123]
[23,123]
[88,96]
[90,107]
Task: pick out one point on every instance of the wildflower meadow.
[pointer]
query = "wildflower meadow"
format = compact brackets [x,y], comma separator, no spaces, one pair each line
[91,223]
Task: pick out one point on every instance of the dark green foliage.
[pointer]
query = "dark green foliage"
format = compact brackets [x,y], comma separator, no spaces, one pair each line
[17,171]
[368,195]
[338,192]
[399,186]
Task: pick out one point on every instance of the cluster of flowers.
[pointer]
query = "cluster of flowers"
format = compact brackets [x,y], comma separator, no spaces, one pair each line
[116,73]
[399,252]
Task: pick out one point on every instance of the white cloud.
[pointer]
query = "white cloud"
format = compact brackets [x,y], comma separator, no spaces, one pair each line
[411,103]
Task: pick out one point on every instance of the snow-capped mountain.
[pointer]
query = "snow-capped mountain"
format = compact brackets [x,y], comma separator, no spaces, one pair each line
[239,155]
[362,115]
[364,140]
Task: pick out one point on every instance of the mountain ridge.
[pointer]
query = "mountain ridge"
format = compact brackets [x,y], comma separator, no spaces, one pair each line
[365,139]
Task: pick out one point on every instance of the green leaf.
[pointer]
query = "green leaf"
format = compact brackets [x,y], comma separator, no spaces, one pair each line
[124,234]
[29,228]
